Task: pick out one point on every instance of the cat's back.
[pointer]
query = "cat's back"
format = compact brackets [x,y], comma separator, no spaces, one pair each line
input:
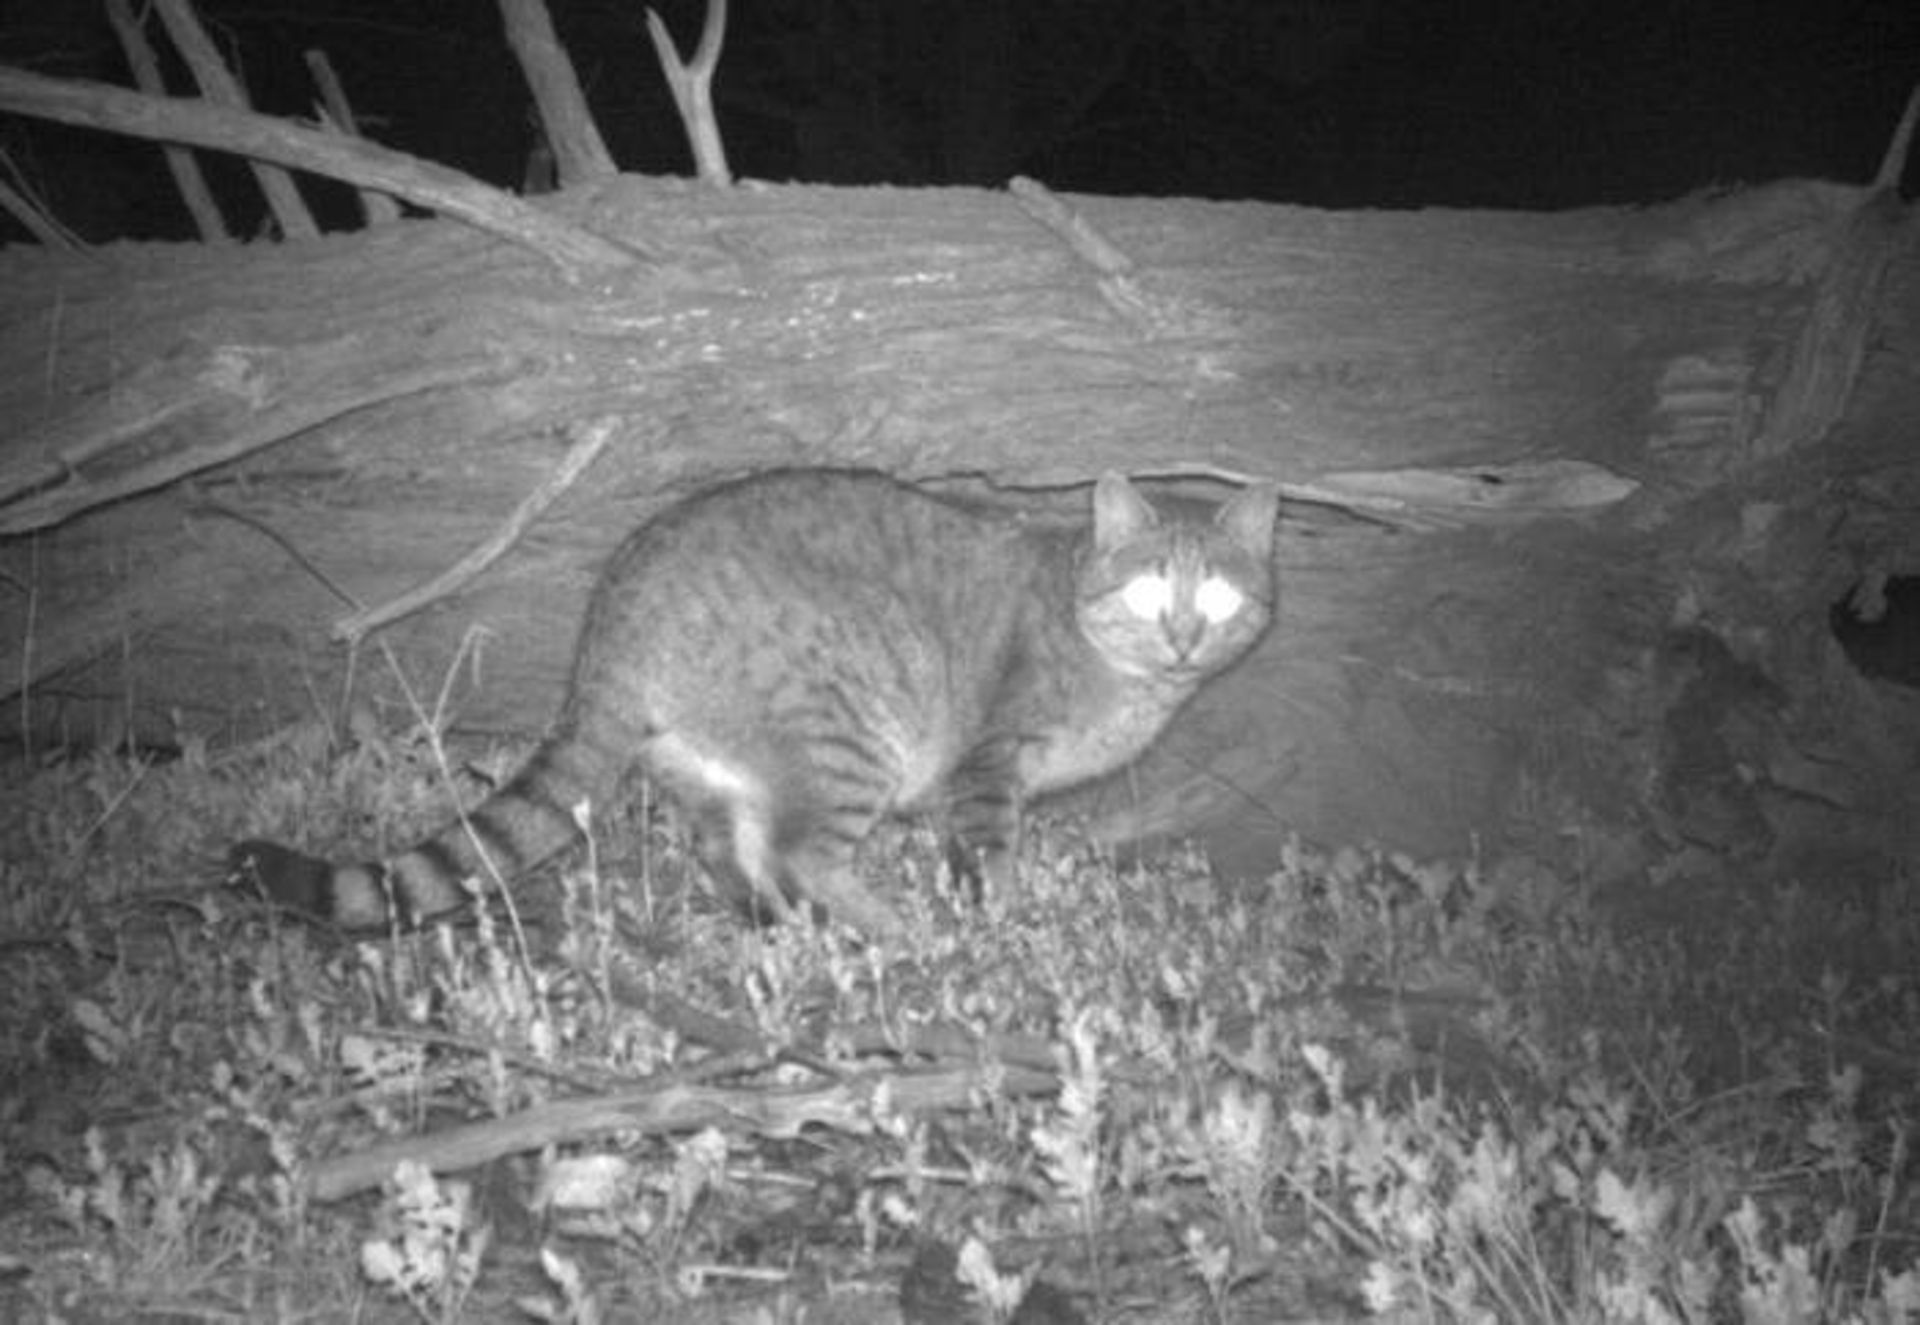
[850,538]
[841,568]
[818,522]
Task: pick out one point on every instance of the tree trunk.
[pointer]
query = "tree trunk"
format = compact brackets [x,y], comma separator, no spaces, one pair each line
[1568,506]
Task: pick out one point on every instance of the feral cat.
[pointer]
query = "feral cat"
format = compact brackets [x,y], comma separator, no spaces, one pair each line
[795,655]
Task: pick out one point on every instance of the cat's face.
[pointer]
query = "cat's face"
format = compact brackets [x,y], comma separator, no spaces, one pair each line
[1174,597]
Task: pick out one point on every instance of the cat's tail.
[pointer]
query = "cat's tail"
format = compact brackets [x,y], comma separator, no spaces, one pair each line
[522,824]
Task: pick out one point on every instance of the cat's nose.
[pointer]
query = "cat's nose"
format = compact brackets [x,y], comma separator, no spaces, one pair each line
[1183,630]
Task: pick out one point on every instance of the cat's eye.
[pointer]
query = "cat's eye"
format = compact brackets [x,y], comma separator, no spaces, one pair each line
[1217,600]
[1148,597]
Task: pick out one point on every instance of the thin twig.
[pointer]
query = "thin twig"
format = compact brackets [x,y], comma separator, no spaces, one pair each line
[1894,164]
[592,439]
[34,216]
[259,526]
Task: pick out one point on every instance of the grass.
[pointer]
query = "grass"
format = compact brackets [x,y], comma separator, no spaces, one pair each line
[1362,1086]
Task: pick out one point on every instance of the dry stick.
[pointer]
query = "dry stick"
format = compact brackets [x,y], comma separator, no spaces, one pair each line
[378,208]
[676,1107]
[692,85]
[1117,286]
[102,106]
[1473,494]
[1480,494]
[1894,164]
[39,222]
[580,154]
[1239,478]
[1832,345]
[592,439]
[207,220]
[1044,206]
[463,1044]
[209,506]
[220,87]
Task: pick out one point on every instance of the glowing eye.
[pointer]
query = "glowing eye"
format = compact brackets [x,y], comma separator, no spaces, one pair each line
[1217,600]
[1148,596]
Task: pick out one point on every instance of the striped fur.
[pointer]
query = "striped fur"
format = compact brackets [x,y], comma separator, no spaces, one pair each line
[796,655]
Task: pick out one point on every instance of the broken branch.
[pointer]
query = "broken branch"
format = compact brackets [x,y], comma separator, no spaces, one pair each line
[167,119]
[592,439]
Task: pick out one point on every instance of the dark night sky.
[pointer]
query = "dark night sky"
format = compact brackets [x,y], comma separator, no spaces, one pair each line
[1343,103]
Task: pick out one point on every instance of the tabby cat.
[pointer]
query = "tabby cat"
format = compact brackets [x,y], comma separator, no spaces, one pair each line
[795,655]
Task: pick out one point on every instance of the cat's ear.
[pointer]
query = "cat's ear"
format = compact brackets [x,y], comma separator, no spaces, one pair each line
[1248,518]
[1120,513]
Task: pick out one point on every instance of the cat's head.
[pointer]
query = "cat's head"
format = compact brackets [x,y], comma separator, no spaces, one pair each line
[1175,596]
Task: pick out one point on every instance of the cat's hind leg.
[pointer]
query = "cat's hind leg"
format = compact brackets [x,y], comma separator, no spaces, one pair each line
[769,868]
[782,823]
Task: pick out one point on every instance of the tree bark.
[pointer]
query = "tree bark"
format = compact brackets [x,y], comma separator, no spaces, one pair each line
[1532,535]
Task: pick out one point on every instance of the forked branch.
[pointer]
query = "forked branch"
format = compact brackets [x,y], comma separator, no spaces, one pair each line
[692,84]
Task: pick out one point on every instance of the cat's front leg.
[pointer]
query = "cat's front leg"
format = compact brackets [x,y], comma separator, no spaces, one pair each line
[983,816]
[825,876]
